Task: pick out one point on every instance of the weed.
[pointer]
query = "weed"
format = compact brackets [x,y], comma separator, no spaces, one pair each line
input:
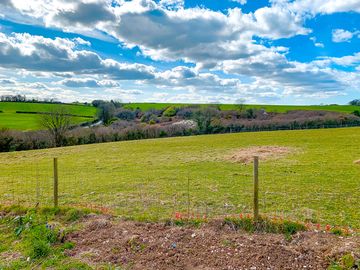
[346,262]
[265,225]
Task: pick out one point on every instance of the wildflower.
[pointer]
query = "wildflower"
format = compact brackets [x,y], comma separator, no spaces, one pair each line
[177,215]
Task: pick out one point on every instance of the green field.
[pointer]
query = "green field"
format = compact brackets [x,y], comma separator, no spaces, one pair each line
[20,121]
[269,108]
[318,181]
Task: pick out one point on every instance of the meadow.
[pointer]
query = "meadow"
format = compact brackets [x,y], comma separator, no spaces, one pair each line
[268,108]
[317,181]
[28,121]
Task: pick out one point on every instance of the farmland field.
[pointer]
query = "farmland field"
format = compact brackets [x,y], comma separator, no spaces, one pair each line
[316,181]
[25,121]
[22,121]
[269,108]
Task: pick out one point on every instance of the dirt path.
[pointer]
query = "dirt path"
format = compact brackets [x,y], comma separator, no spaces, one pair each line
[213,246]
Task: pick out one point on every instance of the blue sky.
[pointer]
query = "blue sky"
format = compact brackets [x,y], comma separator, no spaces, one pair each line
[207,51]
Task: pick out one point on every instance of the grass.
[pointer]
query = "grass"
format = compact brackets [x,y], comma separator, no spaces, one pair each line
[21,121]
[285,227]
[148,179]
[30,239]
[269,108]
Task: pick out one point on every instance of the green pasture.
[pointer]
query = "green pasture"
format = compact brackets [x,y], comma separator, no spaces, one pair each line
[317,181]
[23,121]
[269,108]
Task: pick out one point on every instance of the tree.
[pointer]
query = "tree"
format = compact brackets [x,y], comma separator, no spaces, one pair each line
[57,122]
[106,112]
[355,102]
[203,118]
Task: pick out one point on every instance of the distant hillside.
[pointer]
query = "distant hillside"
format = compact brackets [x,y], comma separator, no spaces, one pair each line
[26,116]
[268,108]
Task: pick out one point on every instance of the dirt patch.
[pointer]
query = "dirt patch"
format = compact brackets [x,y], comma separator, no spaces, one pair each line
[213,246]
[246,155]
[357,162]
[9,256]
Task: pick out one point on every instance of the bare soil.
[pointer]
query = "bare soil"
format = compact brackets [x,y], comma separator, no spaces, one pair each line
[214,245]
[246,155]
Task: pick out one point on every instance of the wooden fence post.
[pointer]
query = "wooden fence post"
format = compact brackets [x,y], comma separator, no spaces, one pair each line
[256,188]
[56,183]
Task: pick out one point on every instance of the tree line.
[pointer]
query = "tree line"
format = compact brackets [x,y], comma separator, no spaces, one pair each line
[119,122]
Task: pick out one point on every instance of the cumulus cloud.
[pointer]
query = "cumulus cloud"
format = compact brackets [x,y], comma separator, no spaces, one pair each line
[88,82]
[36,53]
[172,4]
[341,35]
[201,35]
[345,61]
[194,35]
[166,30]
[182,77]
[81,41]
[316,43]
[314,7]
[241,2]
[274,69]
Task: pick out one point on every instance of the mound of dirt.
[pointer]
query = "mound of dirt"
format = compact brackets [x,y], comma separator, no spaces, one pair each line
[135,245]
[246,155]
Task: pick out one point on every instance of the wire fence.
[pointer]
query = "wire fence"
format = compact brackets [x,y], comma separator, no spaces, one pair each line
[289,190]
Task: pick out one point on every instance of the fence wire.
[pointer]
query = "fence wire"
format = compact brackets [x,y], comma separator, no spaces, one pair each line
[289,189]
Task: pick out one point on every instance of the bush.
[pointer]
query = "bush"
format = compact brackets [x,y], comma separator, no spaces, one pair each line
[125,114]
[357,113]
[170,111]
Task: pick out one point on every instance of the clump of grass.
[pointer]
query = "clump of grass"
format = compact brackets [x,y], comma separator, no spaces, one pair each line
[37,235]
[337,231]
[346,262]
[136,245]
[185,222]
[248,224]
[73,215]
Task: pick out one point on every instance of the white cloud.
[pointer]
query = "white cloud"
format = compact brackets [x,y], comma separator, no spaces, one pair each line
[341,35]
[272,68]
[36,53]
[317,44]
[314,7]
[241,2]
[172,4]
[195,35]
[88,82]
[81,41]
[166,30]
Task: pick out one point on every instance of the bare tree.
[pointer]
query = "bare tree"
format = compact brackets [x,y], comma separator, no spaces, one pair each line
[57,122]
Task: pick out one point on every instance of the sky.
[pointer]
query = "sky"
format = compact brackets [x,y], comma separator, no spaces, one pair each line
[182,51]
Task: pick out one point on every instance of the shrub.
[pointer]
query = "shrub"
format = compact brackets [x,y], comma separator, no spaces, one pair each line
[357,113]
[170,111]
[125,114]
